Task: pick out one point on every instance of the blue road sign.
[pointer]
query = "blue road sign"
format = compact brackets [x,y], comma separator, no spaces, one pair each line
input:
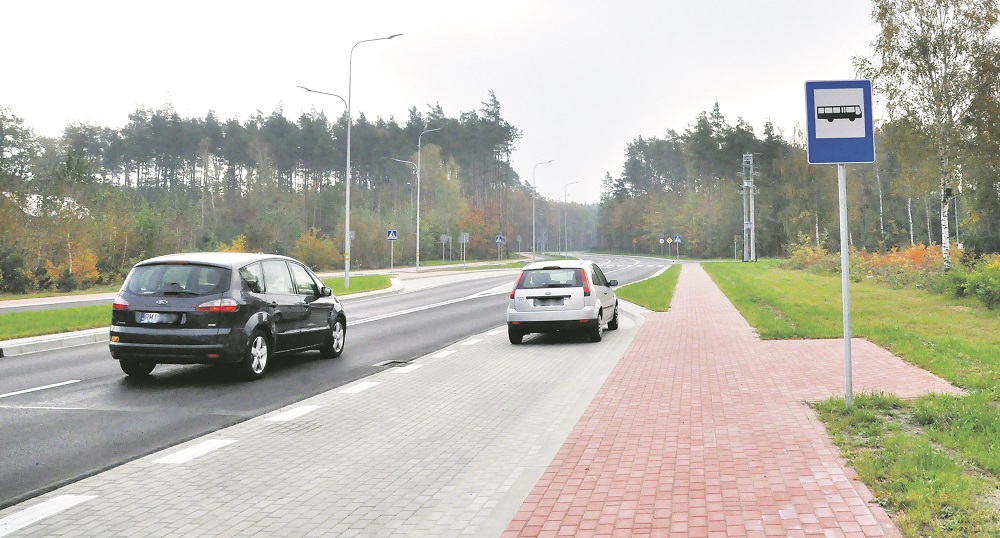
[500,239]
[839,119]
[677,239]
[390,235]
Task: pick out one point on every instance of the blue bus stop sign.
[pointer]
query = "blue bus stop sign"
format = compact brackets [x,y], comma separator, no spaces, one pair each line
[839,119]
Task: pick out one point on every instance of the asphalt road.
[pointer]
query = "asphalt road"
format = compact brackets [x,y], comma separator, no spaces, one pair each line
[71,413]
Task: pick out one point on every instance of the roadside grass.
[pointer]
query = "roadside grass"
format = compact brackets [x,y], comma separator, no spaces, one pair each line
[359,284]
[933,462]
[41,322]
[652,293]
[58,320]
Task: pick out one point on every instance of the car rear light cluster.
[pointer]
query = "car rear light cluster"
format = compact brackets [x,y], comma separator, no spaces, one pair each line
[119,304]
[219,305]
[517,282]
[586,283]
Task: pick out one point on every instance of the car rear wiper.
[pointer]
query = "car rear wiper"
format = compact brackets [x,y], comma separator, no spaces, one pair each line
[181,292]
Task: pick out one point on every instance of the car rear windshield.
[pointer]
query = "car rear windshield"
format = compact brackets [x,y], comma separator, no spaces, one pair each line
[177,279]
[550,278]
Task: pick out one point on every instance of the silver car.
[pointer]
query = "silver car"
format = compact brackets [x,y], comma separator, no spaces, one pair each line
[564,295]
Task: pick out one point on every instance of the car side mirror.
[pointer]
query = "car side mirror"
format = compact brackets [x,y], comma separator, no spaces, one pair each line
[325,292]
[612,283]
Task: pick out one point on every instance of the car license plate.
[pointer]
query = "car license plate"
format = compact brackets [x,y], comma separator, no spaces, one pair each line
[549,302]
[156,317]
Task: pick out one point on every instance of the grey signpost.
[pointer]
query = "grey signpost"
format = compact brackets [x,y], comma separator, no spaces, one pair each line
[841,131]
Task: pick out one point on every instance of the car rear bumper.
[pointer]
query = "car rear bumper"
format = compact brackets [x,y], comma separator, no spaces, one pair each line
[198,346]
[551,326]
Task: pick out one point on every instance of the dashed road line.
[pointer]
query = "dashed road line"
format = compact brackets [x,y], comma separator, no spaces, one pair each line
[406,369]
[471,342]
[25,391]
[444,353]
[39,512]
[293,414]
[195,451]
[360,387]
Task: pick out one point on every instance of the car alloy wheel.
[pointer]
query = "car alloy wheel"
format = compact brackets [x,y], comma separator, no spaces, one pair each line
[336,340]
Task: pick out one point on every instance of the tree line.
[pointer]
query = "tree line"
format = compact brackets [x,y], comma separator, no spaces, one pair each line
[87,205]
[935,66]
[82,208]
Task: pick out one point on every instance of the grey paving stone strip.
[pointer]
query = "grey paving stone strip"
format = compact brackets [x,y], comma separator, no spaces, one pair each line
[448,448]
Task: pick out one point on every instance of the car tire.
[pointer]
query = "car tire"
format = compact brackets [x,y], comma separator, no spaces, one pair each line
[136,367]
[257,356]
[335,340]
[515,336]
[613,324]
[597,333]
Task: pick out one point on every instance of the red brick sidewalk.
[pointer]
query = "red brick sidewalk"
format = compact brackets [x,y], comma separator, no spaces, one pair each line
[702,430]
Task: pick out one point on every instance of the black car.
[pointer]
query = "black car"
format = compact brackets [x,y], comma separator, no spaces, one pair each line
[222,307]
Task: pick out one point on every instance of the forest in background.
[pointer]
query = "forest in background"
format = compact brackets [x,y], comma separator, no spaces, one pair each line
[82,208]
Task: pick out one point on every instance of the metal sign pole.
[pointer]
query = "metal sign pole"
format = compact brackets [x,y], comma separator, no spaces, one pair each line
[845,280]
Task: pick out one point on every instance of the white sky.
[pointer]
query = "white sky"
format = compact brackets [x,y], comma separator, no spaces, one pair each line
[580,78]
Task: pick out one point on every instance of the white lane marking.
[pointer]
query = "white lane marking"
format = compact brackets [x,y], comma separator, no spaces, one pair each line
[195,451]
[443,354]
[471,342]
[47,408]
[293,414]
[406,369]
[25,391]
[40,511]
[495,333]
[360,387]
[498,290]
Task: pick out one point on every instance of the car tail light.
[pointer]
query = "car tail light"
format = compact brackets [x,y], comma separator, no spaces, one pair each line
[586,283]
[219,305]
[119,304]
[517,282]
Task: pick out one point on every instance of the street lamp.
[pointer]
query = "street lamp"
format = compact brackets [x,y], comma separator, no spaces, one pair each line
[566,215]
[534,195]
[418,191]
[347,180]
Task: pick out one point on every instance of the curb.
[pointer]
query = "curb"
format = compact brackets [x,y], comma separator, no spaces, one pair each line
[49,342]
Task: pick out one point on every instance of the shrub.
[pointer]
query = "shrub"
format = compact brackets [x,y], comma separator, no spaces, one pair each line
[67,281]
[984,283]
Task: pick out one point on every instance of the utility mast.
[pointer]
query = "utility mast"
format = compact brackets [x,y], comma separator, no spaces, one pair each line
[749,228]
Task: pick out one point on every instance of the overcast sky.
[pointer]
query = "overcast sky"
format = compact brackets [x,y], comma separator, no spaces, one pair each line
[580,78]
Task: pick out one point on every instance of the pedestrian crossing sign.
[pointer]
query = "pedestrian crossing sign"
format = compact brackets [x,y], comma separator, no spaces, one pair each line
[390,235]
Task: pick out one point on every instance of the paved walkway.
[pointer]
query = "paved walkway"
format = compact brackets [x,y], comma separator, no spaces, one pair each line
[694,427]
[702,430]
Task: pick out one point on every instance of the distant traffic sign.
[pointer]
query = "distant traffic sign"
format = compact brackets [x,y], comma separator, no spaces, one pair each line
[839,120]
[500,239]
[391,235]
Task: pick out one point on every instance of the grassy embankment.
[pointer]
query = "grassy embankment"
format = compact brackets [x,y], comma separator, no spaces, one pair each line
[41,322]
[933,463]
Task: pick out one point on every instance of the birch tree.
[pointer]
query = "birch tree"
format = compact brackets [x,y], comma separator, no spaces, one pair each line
[926,63]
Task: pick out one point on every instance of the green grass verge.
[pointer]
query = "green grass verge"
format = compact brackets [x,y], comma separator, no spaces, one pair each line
[934,462]
[359,283]
[652,293]
[39,322]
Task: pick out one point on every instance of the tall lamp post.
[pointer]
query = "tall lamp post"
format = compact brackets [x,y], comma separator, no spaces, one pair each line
[566,215]
[418,192]
[347,180]
[534,195]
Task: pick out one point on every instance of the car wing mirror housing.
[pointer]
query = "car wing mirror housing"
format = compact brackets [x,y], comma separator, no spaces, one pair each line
[325,292]
[612,283]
